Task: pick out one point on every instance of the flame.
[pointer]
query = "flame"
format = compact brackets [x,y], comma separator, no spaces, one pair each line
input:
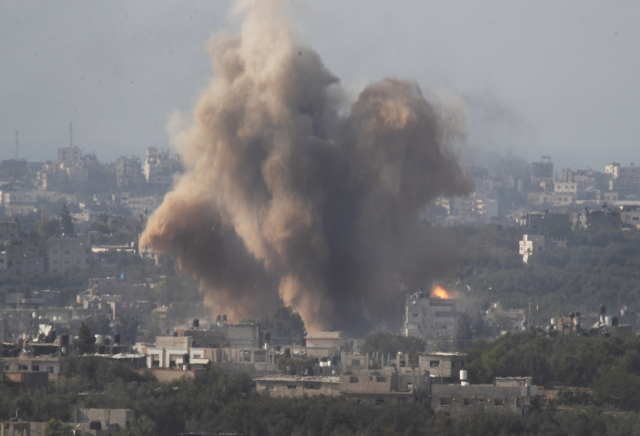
[440,292]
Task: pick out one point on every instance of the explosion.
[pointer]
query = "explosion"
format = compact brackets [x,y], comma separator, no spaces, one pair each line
[294,195]
[440,292]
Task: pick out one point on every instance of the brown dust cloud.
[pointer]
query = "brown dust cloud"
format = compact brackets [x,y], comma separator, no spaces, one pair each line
[294,193]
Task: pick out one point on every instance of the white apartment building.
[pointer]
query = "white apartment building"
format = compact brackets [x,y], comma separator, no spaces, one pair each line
[529,245]
[139,206]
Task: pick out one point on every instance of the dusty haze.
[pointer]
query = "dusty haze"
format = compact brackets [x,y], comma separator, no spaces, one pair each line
[293,194]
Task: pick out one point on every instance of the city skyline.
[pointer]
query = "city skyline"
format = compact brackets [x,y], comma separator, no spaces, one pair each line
[561,84]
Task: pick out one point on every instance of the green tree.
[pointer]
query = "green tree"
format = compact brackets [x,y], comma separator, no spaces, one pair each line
[464,334]
[128,327]
[66,221]
[143,426]
[288,325]
[619,389]
[47,228]
[86,340]
[55,427]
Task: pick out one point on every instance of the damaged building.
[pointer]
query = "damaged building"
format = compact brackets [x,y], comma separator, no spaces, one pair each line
[427,317]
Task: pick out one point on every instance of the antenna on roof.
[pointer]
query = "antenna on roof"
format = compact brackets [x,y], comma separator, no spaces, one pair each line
[71,134]
[17,142]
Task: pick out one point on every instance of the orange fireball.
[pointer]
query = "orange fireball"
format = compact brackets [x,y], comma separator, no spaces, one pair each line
[439,292]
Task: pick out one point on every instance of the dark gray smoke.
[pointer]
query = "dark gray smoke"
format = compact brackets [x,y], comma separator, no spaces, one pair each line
[285,199]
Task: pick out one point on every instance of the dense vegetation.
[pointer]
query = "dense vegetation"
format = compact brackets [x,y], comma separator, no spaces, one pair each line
[597,267]
[219,402]
[568,360]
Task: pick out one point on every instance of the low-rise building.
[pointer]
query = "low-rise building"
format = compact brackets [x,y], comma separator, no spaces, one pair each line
[506,395]
[26,382]
[298,386]
[46,364]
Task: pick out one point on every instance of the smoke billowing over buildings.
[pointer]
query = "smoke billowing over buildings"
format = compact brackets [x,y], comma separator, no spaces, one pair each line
[292,193]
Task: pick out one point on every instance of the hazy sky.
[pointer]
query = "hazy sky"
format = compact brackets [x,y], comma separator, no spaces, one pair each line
[542,77]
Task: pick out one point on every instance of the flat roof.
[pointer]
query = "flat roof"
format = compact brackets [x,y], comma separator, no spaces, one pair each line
[300,379]
[444,354]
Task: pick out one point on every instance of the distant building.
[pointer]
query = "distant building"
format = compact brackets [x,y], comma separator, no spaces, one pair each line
[26,382]
[24,263]
[506,395]
[298,386]
[140,206]
[159,169]
[542,172]
[321,344]
[541,220]
[532,244]
[47,364]
[67,252]
[20,202]
[69,155]
[624,180]
[597,219]
[9,230]
[129,172]
[630,216]
[443,367]
[428,317]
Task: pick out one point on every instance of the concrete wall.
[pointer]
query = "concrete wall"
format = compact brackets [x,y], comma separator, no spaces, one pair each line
[243,335]
[372,382]
[173,341]
[446,365]
[120,417]
[296,387]
[458,400]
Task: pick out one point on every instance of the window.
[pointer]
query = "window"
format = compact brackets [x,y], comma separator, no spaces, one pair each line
[291,387]
[355,362]
[498,402]
[23,368]
[381,379]
[434,363]
[445,401]
[50,369]
[379,401]
[35,368]
[353,379]
[415,314]
[468,401]
[270,387]
[358,400]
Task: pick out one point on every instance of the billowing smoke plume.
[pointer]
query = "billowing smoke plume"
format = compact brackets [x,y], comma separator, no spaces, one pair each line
[286,198]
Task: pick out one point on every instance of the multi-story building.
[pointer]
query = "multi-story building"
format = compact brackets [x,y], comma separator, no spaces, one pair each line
[9,230]
[506,395]
[19,202]
[159,169]
[140,206]
[430,318]
[67,252]
[624,180]
[543,219]
[542,172]
[129,172]
[597,219]
[69,155]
